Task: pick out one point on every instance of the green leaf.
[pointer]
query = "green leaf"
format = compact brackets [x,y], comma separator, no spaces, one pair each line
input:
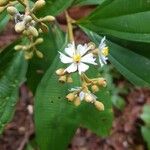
[129,21]
[145,115]
[146,135]
[56,119]
[88,2]
[54,7]
[4,18]
[37,67]
[135,67]
[13,68]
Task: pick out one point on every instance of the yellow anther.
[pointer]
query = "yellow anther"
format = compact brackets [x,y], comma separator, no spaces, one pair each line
[77,57]
[105,51]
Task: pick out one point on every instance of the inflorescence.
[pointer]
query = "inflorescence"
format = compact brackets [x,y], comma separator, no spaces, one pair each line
[28,24]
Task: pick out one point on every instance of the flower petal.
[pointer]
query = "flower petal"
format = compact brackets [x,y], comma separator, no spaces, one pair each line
[89,59]
[65,59]
[82,49]
[102,60]
[82,67]
[81,95]
[71,68]
[70,49]
[102,43]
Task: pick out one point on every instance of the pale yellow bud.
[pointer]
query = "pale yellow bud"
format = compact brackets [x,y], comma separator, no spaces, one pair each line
[33,31]
[77,101]
[102,82]
[70,96]
[39,41]
[38,5]
[27,19]
[19,27]
[95,88]
[28,55]
[18,47]
[69,80]
[39,54]
[48,19]
[3,2]
[88,98]
[99,105]
[12,10]
[63,79]
[60,71]
[2,9]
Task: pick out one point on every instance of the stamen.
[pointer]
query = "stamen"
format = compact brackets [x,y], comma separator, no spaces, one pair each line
[105,51]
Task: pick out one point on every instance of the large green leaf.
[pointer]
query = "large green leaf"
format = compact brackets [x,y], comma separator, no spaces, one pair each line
[56,119]
[37,67]
[135,67]
[130,20]
[13,68]
[54,7]
[88,2]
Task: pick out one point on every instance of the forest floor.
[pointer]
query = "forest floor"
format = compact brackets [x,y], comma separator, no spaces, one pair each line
[125,133]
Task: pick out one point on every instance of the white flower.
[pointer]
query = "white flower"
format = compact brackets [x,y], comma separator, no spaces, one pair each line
[103,52]
[77,58]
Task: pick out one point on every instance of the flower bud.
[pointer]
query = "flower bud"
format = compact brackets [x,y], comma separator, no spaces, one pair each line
[88,98]
[95,88]
[18,47]
[27,19]
[19,27]
[33,31]
[39,41]
[48,19]
[28,55]
[12,10]
[102,82]
[69,80]
[77,101]
[39,54]
[60,71]
[3,2]
[63,79]
[70,96]
[99,105]
[2,9]
[38,4]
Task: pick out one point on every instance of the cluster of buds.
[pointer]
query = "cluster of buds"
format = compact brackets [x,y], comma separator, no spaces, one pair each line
[6,3]
[64,77]
[79,94]
[29,25]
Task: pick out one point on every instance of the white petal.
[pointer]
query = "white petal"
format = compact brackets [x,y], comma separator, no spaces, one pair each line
[102,60]
[70,49]
[102,44]
[65,59]
[82,49]
[75,89]
[71,68]
[82,67]
[81,95]
[89,59]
